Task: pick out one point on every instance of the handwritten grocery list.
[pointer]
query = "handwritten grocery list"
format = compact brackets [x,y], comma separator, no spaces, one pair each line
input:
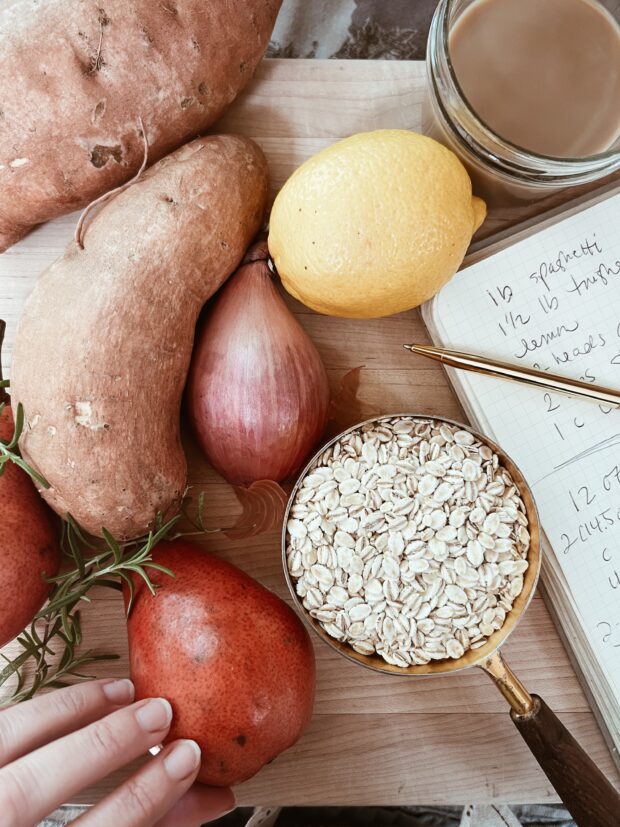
[552,301]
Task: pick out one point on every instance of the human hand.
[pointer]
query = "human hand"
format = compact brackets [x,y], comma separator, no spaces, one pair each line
[57,744]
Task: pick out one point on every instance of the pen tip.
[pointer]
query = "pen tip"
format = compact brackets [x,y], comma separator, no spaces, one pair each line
[408,347]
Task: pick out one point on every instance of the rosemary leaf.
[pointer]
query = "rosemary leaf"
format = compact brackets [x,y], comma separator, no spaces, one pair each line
[14,665]
[131,588]
[74,549]
[34,475]
[159,567]
[79,534]
[8,450]
[113,546]
[165,529]
[201,510]
[140,571]
[17,428]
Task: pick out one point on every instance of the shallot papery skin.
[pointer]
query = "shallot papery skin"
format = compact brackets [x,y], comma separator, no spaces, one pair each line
[257,394]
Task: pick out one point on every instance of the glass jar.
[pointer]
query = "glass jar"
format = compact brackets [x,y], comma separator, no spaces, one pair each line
[502,173]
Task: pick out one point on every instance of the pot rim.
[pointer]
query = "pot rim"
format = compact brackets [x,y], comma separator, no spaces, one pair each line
[472,657]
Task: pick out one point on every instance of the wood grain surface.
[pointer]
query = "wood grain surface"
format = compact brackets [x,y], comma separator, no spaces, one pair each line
[374,739]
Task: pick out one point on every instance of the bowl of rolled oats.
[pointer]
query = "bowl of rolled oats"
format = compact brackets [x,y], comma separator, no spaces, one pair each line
[411,544]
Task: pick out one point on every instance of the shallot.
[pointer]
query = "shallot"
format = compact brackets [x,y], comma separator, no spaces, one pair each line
[258,394]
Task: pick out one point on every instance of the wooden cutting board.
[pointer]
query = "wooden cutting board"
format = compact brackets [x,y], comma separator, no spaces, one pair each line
[374,739]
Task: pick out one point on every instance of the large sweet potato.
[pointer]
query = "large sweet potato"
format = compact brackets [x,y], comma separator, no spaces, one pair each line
[104,344]
[77,78]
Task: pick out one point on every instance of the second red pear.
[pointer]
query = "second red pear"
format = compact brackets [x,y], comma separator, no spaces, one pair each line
[234,660]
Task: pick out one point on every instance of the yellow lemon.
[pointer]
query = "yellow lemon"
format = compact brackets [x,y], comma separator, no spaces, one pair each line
[374,224]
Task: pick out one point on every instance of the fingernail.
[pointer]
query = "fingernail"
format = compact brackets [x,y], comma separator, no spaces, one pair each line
[182,760]
[119,692]
[154,715]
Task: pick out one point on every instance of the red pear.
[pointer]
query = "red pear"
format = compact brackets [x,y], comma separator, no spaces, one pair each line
[29,545]
[234,660]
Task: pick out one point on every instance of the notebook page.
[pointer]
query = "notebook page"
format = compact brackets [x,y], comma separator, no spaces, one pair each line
[552,301]
[605,704]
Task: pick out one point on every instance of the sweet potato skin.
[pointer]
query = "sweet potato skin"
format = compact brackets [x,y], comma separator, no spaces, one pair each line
[76,77]
[104,343]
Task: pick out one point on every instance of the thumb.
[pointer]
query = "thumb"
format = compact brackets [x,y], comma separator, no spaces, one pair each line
[199,805]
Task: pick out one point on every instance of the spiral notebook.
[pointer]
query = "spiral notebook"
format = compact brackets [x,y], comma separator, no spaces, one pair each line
[550,298]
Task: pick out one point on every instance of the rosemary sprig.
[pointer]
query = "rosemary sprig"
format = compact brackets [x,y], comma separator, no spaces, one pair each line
[51,653]
[33,670]
[107,565]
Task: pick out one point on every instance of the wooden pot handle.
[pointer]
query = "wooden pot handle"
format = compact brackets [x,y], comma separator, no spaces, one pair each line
[588,795]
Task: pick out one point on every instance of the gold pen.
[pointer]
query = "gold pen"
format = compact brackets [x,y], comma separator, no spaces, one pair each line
[528,376]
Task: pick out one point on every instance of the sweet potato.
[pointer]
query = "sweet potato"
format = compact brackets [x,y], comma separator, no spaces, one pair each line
[104,344]
[78,78]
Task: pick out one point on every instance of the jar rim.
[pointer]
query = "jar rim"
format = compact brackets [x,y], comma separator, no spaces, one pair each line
[553,165]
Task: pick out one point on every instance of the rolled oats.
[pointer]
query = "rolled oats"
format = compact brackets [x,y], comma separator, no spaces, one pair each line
[408,539]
